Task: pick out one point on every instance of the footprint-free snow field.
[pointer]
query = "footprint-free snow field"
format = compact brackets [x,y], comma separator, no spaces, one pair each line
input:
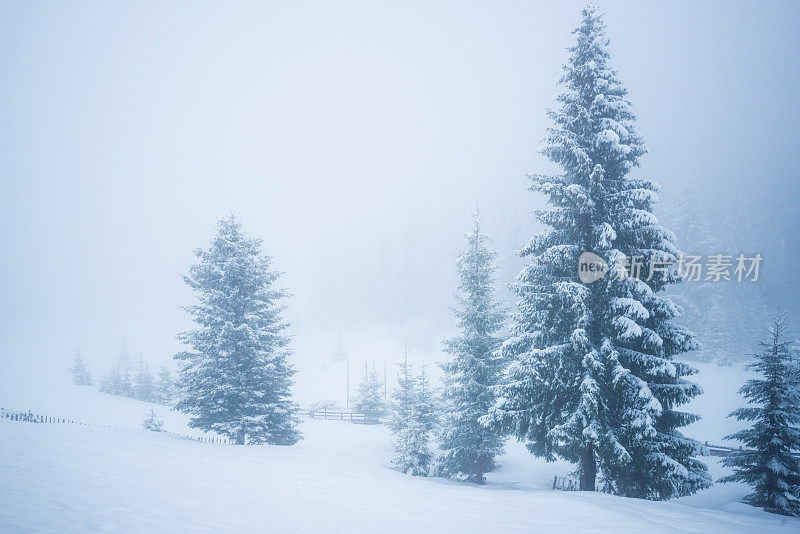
[95,478]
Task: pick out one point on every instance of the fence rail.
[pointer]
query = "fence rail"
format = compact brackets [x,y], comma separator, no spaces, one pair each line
[721,450]
[30,417]
[328,415]
[337,415]
[565,483]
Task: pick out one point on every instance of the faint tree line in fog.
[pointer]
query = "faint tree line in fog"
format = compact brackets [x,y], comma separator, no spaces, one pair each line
[126,380]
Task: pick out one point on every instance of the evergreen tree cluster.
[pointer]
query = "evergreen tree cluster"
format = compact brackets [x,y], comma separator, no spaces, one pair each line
[81,376]
[139,383]
[588,372]
[447,436]
[119,379]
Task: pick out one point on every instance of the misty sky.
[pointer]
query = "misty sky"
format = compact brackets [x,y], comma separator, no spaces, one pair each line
[355,138]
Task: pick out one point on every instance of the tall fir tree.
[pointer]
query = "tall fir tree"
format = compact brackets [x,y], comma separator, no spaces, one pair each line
[772,465]
[403,395]
[81,375]
[468,447]
[236,380]
[369,398]
[593,378]
[410,457]
[412,420]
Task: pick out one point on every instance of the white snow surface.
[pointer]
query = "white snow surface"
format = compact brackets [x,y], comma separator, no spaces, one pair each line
[118,478]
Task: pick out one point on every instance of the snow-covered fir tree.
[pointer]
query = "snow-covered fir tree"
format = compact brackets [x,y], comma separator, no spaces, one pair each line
[411,454]
[468,447]
[81,375]
[403,396]
[771,466]
[165,386]
[412,420]
[153,422]
[124,372]
[428,404]
[593,378]
[235,380]
[144,387]
[368,398]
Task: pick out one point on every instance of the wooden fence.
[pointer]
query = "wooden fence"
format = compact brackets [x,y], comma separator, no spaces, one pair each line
[565,483]
[30,417]
[720,450]
[324,414]
[337,415]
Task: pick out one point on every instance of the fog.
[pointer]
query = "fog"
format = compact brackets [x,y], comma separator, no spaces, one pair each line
[356,139]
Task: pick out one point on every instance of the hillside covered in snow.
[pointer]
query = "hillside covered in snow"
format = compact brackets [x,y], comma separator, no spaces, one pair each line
[109,475]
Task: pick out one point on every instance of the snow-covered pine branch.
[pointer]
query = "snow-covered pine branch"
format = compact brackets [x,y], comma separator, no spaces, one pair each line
[81,376]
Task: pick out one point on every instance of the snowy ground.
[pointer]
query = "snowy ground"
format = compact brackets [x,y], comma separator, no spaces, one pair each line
[75,478]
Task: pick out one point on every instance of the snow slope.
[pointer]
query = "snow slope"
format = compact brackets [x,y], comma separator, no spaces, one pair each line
[76,478]
[71,478]
[85,404]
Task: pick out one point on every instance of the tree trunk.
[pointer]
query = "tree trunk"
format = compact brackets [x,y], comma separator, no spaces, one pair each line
[588,469]
[240,437]
[479,479]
